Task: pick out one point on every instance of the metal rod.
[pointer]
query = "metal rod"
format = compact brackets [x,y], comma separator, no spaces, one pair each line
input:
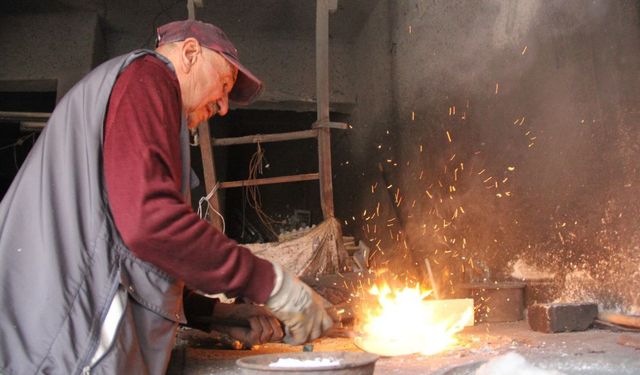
[269,180]
[265,138]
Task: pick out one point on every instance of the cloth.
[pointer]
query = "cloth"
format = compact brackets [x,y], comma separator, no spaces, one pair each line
[142,133]
[318,252]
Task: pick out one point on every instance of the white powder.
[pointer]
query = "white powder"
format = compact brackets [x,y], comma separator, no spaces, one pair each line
[512,363]
[316,362]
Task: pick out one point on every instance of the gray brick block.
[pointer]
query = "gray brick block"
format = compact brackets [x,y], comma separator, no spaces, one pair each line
[561,317]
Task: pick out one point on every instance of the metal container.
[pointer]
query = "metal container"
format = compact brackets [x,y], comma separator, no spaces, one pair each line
[496,301]
[350,363]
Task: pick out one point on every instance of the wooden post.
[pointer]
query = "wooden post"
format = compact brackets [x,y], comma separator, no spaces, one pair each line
[322,94]
[209,168]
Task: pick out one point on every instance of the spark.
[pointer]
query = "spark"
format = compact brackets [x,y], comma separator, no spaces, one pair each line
[448,136]
[511,168]
[497,87]
[524,50]
[413,116]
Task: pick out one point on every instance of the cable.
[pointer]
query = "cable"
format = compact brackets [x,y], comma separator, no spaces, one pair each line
[206,199]
[254,198]
[155,19]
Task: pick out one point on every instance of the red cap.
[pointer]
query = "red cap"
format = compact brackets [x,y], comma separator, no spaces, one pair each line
[247,86]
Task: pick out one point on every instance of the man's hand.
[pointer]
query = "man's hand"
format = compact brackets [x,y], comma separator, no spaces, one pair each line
[300,308]
[258,326]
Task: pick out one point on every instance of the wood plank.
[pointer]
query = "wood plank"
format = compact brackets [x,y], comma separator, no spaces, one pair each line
[269,180]
[265,138]
[322,95]
[209,168]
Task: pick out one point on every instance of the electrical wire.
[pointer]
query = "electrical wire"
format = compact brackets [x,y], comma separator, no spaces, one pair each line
[253,193]
[205,215]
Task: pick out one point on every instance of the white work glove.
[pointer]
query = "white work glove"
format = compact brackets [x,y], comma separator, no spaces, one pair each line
[300,308]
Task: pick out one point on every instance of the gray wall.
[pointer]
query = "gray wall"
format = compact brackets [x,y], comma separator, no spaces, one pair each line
[563,113]
[546,97]
[50,46]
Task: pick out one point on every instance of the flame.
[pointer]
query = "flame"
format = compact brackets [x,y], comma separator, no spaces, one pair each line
[403,322]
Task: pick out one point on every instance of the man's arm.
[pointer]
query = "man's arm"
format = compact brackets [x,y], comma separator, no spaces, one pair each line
[142,166]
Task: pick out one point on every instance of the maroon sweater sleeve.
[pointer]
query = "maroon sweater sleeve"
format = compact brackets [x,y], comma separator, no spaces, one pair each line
[142,166]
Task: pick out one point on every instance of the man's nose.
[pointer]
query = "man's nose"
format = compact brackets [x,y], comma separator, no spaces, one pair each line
[223,105]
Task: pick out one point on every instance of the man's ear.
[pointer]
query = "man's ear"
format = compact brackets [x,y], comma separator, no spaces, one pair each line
[190,53]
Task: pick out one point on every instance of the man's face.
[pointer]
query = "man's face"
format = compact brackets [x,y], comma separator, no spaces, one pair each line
[212,79]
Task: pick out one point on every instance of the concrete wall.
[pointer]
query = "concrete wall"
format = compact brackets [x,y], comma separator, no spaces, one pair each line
[59,46]
[284,57]
[517,137]
[355,150]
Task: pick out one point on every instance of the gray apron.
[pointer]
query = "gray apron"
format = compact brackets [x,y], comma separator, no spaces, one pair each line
[62,261]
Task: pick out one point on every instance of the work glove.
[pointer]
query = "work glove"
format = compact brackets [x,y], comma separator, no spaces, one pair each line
[300,308]
[248,323]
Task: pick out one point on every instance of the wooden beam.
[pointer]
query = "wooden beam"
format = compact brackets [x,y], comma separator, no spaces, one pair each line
[269,180]
[322,97]
[25,116]
[330,124]
[209,169]
[265,138]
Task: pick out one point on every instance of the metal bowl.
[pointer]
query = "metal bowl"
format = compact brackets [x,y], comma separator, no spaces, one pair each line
[351,363]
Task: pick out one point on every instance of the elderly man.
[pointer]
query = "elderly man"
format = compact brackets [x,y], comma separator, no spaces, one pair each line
[96,238]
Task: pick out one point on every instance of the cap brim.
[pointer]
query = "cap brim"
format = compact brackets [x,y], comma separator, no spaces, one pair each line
[247,86]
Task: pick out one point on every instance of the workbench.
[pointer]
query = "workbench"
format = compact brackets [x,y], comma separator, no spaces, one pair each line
[477,343]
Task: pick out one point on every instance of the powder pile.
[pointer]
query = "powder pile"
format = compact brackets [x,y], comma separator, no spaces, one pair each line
[316,362]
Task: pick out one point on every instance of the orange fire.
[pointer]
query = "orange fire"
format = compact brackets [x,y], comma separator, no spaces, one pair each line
[402,322]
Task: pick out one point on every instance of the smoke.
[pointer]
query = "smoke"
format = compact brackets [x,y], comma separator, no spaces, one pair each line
[538,101]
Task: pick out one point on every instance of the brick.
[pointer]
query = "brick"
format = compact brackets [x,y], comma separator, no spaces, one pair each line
[561,317]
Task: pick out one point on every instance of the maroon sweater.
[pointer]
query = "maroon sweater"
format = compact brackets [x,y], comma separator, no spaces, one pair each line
[142,166]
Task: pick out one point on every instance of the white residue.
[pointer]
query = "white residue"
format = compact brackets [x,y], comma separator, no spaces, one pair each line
[316,362]
[524,271]
[512,363]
